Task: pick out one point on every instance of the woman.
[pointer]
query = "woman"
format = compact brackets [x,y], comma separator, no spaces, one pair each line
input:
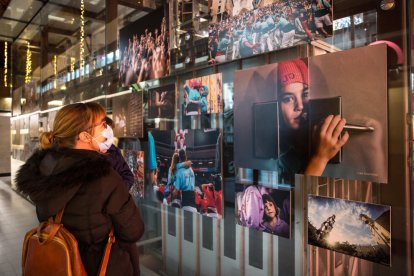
[69,172]
[293,97]
[271,220]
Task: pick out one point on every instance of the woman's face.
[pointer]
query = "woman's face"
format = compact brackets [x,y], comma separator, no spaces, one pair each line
[270,209]
[293,98]
[99,126]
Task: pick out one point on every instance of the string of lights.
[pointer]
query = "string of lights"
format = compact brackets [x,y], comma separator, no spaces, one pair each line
[72,64]
[5,63]
[82,36]
[55,70]
[28,76]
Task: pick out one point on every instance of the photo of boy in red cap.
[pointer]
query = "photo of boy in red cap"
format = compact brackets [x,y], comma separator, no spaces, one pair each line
[281,138]
[293,98]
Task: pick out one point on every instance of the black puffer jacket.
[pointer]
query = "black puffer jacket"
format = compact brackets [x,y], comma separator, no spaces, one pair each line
[114,156]
[95,199]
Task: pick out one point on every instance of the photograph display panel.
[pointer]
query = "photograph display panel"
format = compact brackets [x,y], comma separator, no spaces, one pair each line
[203,95]
[241,29]
[278,128]
[127,114]
[364,105]
[135,161]
[269,132]
[144,49]
[264,209]
[161,102]
[353,228]
[189,171]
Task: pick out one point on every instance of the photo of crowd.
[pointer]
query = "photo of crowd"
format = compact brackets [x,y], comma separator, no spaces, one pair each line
[144,49]
[188,173]
[203,95]
[240,29]
[264,209]
[161,102]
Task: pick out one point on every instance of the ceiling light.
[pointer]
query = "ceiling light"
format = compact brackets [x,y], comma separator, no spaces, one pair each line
[55,18]
[55,103]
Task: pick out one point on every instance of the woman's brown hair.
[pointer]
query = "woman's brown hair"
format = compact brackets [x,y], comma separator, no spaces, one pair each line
[69,122]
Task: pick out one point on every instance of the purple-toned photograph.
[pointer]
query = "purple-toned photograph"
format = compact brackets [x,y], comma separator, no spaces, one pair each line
[264,209]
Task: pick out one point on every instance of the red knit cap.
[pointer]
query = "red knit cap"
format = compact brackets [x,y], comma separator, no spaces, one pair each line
[194,83]
[293,71]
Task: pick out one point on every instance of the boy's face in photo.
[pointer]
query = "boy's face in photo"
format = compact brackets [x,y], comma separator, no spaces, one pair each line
[269,209]
[293,98]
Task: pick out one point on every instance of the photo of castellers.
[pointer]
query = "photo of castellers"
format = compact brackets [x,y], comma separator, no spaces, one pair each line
[203,95]
[241,29]
[188,170]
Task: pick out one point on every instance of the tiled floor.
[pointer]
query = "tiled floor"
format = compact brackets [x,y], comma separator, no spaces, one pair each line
[17,216]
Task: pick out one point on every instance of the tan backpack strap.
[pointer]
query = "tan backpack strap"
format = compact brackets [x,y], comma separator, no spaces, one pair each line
[105,259]
[52,232]
[59,216]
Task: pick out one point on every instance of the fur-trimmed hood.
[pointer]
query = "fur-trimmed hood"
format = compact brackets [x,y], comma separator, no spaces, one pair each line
[53,176]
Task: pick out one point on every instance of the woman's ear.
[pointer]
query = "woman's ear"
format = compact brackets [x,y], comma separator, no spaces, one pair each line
[85,137]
